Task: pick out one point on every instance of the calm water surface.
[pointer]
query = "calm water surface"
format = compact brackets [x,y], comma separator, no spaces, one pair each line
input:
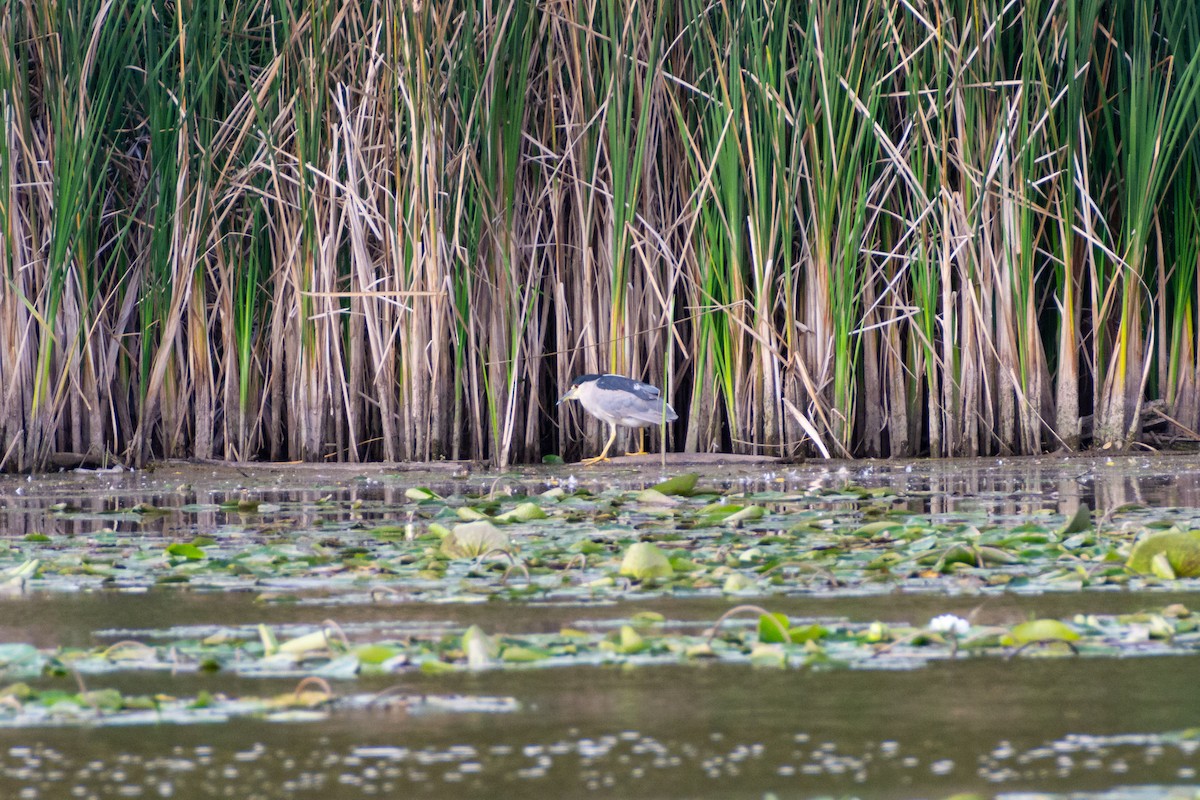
[1099,727]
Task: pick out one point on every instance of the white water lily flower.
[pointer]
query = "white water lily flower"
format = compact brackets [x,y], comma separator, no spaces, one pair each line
[948,623]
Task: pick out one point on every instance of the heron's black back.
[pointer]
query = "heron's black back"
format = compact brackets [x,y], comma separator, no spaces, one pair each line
[619,383]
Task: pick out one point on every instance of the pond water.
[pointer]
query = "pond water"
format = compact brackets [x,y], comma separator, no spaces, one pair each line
[151,627]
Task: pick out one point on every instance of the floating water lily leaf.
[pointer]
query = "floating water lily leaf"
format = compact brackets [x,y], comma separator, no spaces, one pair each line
[301,699]
[957,554]
[185,550]
[516,654]
[16,576]
[481,650]
[432,666]
[419,493]
[643,561]
[17,691]
[654,497]
[768,655]
[683,564]
[20,660]
[773,628]
[1160,565]
[130,652]
[1179,550]
[747,514]
[587,547]
[552,458]
[647,619]
[1041,630]
[807,633]
[877,528]
[267,637]
[473,539]
[885,560]
[525,512]
[468,514]
[342,668]
[683,485]
[737,582]
[317,640]
[1160,627]
[718,512]
[975,556]
[1080,521]
[104,699]
[374,654]
[630,641]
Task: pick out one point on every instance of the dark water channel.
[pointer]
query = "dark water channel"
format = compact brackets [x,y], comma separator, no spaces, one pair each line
[1026,727]
[670,732]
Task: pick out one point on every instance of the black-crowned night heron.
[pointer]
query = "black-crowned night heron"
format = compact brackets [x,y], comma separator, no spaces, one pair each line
[622,401]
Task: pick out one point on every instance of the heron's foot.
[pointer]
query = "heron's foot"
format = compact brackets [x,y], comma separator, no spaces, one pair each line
[587,462]
[641,451]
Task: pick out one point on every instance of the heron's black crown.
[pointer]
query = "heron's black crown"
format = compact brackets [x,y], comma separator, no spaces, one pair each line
[619,383]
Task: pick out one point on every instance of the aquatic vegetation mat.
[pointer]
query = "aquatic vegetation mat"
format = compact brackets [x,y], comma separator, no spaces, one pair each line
[743,635]
[681,537]
[441,604]
[22,706]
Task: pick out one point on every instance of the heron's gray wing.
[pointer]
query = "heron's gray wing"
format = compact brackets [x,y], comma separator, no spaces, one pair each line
[660,411]
[619,383]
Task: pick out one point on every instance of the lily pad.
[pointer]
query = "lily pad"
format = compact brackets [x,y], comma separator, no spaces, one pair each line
[747,514]
[518,654]
[773,628]
[480,648]
[629,641]
[473,539]
[737,582]
[654,497]
[878,528]
[683,485]
[1041,630]
[22,660]
[185,550]
[525,512]
[644,561]
[1168,555]
[374,654]
[317,640]
[1080,521]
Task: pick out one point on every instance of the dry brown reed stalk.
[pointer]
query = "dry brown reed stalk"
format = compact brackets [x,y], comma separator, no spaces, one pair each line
[318,229]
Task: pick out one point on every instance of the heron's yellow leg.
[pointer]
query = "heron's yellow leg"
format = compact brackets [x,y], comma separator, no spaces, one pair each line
[604,455]
[641,451]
